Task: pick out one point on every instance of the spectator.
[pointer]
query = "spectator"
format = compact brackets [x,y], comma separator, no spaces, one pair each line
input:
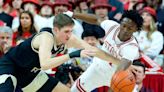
[5,39]
[140,5]
[117,10]
[61,6]
[7,6]
[150,39]
[4,17]
[129,5]
[140,75]
[46,9]
[31,5]
[27,5]
[45,17]
[101,9]
[83,6]
[153,3]
[25,29]
[16,7]
[15,12]
[91,35]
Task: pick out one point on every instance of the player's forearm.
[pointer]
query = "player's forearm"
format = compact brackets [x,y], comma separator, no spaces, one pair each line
[105,56]
[78,43]
[89,18]
[124,64]
[54,62]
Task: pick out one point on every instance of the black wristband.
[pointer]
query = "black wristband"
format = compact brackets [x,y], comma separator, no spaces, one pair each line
[75,54]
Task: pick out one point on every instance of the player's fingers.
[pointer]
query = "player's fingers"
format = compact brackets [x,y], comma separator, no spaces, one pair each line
[85,55]
[89,52]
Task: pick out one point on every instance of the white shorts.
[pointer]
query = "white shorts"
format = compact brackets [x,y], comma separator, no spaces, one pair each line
[97,75]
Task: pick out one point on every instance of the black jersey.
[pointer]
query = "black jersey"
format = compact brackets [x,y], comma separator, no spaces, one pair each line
[25,61]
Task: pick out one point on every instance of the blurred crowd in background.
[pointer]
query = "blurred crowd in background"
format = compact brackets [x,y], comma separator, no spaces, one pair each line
[19,19]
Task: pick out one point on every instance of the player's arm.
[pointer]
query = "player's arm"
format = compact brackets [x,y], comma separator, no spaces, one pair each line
[89,18]
[79,43]
[46,60]
[45,47]
[129,53]
[124,64]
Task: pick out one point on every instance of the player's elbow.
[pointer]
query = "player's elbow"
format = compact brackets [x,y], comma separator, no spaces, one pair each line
[44,66]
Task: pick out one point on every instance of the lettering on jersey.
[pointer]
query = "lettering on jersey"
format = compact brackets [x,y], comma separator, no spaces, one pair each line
[107,45]
[35,69]
[110,49]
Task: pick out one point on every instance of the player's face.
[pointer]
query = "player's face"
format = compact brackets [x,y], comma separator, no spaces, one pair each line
[127,28]
[64,34]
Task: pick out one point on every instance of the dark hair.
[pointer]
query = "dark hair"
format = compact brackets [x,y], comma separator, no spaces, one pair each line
[92,30]
[139,63]
[32,30]
[62,20]
[134,16]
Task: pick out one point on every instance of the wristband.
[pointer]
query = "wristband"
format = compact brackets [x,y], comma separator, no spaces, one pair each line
[75,54]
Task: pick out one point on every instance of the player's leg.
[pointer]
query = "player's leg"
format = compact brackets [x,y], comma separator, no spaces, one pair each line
[89,80]
[97,75]
[53,85]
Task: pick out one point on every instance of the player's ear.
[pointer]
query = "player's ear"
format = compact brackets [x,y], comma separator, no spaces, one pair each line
[55,29]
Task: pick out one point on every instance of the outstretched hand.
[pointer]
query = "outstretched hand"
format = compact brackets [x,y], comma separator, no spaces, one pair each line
[87,53]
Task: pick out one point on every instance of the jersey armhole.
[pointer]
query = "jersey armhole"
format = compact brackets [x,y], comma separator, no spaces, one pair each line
[37,49]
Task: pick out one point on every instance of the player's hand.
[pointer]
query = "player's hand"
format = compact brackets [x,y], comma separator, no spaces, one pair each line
[87,53]
[4,46]
[134,69]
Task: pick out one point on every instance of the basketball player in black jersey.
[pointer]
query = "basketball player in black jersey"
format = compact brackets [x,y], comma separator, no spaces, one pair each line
[22,65]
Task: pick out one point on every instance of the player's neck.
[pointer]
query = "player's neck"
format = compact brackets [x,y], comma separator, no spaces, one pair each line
[123,40]
[58,43]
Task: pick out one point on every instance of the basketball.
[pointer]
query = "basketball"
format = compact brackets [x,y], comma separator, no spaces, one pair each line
[123,81]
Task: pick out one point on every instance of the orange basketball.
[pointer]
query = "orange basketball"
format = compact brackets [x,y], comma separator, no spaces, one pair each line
[123,81]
